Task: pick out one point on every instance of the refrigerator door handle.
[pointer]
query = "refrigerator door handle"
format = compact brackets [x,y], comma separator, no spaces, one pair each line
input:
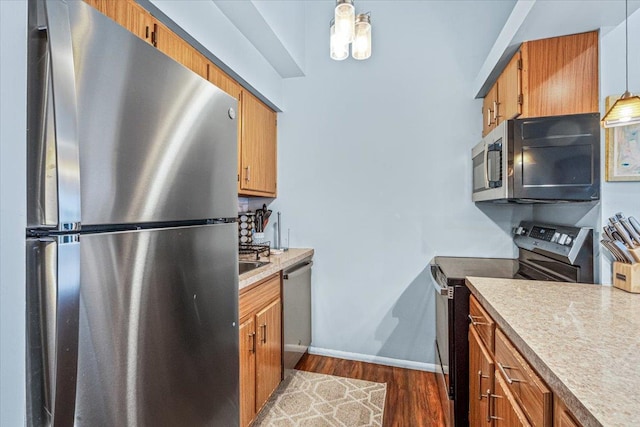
[53,276]
[65,113]
[62,381]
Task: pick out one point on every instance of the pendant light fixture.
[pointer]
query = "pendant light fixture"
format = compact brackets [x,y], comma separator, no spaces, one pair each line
[626,110]
[339,49]
[361,48]
[347,29]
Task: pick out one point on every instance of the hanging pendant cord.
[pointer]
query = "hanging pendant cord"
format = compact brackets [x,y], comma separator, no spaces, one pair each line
[626,46]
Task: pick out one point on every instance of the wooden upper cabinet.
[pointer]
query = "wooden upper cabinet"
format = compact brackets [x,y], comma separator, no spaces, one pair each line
[560,75]
[510,96]
[176,48]
[257,172]
[489,106]
[222,80]
[549,77]
[129,14]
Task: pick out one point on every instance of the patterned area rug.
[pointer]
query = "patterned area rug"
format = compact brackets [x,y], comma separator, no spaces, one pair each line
[315,400]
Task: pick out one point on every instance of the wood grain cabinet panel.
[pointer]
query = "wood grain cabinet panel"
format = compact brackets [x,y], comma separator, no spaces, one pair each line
[258,168]
[548,77]
[561,415]
[505,411]
[560,75]
[529,390]
[260,345]
[489,110]
[247,350]
[127,13]
[481,372]
[510,96]
[483,323]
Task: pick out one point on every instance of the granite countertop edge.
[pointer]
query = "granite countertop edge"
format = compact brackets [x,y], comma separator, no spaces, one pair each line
[557,386]
[276,263]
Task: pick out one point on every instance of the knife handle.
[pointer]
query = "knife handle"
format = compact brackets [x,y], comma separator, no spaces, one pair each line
[623,233]
[635,224]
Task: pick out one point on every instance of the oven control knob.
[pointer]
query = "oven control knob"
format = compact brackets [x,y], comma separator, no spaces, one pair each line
[520,231]
[568,241]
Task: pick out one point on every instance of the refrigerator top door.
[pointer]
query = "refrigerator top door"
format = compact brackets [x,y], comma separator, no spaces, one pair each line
[157,142]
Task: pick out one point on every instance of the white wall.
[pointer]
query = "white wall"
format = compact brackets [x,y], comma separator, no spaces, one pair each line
[13,57]
[618,196]
[374,171]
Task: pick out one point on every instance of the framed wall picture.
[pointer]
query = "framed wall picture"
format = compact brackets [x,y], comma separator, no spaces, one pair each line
[622,157]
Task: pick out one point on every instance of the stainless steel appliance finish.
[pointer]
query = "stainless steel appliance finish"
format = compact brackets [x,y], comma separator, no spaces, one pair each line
[546,252]
[544,159]
[132,263]
[296,295]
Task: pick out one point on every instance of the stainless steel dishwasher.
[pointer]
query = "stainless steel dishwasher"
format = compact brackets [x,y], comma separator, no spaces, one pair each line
[296,289]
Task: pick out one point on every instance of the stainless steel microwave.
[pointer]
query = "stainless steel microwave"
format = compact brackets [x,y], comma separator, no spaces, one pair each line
[542,159]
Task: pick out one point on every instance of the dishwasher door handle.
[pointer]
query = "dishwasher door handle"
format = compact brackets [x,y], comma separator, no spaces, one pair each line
[303,268]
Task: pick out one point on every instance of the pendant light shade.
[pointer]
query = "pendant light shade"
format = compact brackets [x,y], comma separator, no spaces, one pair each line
[339,49]
[345,18]
[362,43]
[626,110]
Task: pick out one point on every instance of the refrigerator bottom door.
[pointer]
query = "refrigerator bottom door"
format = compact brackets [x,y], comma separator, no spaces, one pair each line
[158,340]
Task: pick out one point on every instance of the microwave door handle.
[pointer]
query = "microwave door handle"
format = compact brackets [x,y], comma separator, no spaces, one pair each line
[486,165]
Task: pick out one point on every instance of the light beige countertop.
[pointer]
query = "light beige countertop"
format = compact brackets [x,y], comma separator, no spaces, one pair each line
[276,263]
[583,340]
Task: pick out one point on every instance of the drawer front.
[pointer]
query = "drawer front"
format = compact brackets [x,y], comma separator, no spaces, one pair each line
[259,295]
[529,390]
[484,324]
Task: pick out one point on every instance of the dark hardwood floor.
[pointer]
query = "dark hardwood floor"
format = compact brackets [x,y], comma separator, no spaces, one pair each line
[412,396]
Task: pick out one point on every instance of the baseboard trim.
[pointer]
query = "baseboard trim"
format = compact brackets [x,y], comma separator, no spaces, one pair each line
[380,360]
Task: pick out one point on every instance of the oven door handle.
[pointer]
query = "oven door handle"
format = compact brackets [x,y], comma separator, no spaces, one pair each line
[446,291]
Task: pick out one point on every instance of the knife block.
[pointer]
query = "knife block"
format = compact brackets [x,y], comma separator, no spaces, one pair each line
[627,276]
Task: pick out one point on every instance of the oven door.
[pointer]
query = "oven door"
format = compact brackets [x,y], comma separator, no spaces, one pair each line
[444,323]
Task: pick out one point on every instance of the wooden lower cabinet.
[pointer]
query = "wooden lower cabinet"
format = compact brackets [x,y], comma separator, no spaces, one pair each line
[260,345]
[505,411]
[561,415]
[481,371]
[247,371]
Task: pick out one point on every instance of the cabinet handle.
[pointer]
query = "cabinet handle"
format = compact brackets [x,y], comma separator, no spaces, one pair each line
[488,117]
[252,337]
[495,111]
[154,35]
[508,378]
[474,323]
[489,397]
[264,333]
[247,176]
[480,395]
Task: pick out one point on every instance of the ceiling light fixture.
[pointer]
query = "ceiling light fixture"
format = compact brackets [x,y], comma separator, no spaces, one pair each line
[626,110]
[347,29]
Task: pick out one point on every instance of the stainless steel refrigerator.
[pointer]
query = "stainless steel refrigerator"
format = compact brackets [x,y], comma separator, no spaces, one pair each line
[131,240]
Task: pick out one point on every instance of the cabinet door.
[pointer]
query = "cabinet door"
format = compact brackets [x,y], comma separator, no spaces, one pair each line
[247,371]
[481,371]
[222,80]
[257,147]
[127,13]
[506,411]
[561,75]
[268,352]
[510,90]
[173,46]
[561,415]
[489,107]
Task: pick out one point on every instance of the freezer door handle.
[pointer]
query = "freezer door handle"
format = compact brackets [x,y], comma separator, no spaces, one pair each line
[64,103]
[54,287]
